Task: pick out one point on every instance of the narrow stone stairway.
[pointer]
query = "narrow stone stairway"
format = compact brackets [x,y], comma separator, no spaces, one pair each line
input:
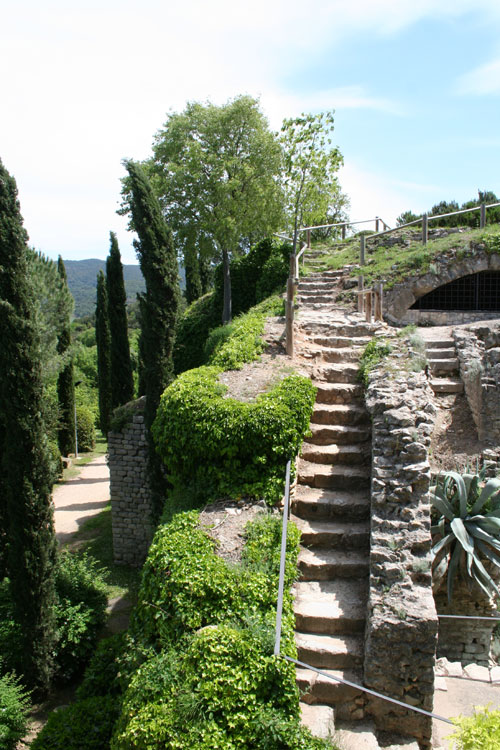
[444,366]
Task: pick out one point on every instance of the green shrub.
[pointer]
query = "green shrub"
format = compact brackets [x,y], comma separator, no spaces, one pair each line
[85,427]
[242,343]
[80,610]
[85,725]
[14,708]
[231,447]
[467,525]
[10,632]
[101,675]
[374,353]
[478,732]
[274,273]
[56,464]
[192,331]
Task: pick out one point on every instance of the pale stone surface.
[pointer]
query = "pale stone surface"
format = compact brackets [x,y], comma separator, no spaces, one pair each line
[80,498]
[495,675]
[476,672]
[318,719]
[455,669]
[440,683]
[356,736]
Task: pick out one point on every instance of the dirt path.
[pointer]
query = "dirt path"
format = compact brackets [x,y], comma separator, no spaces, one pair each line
[80,498]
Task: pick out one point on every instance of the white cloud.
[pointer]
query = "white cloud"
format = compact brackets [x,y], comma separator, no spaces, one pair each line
[482,80]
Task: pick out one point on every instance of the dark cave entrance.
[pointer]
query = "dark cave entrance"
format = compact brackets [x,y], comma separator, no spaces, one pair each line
[478,291]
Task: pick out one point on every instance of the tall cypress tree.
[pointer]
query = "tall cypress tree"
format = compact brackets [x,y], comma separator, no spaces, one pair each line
[65,382]
[122,382]
[25,464]
[103,339]
[158,306]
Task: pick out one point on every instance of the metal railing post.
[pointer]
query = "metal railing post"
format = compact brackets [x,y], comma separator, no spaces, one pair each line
[344,227]
[482,218]
[377,225]
[281,584]
[308,239]
[360,293]
[425,228]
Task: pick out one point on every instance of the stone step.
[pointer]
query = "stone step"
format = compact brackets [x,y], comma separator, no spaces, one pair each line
[325,274]
[356,735]
[320,504]
[317,688]
[447,385]
[340,355]
[349,330]
[303,298]
[333,476]
[335,454]
[337,373]
[339,414]
[339,434]
[440,344]
[330,652]
[354,535]
[319,564]
[338,393]
[444,365]
[316,285]
[318,719]
[331,607]
[340,341]
[433,354]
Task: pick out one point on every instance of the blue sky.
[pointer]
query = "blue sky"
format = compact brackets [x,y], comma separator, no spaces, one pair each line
[415,85]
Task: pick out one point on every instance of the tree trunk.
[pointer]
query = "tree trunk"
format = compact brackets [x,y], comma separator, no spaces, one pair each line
[226,311]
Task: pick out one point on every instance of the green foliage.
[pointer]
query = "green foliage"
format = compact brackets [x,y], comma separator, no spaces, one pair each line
[274,273]
[230,349]
[478,732]
[234,448]
[56,464]
[122,383]
[82,276]
[65,380]
[85,725]
[14,708]
[374,353]
[103,339]
[310,167]
[26,515]
[193,328]
[462,533]
[80,610]
[124,415]
[102,673]
[85,425]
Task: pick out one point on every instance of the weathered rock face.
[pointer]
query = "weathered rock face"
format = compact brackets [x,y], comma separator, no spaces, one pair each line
[401,297]
[131,504]
[478,350]
[401,631]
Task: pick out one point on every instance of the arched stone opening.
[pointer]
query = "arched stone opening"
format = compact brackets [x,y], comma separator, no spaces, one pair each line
[479,292]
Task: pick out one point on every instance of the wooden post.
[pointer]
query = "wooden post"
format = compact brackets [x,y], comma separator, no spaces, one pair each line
[376,223]
[482,220]
[368,308]
[362,250]
[344,226]
[289,306]
[360,293]
[378,301]
[425,228]
[308,239]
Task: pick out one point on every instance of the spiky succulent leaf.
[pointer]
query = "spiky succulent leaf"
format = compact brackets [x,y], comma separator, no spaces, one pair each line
[453,568]
[489,489]
[480,534]
[442,505]
[458,528]
[488,552]
[442,544]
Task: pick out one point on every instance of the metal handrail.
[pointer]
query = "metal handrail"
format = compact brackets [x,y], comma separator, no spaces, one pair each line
[469,617]
[279,613]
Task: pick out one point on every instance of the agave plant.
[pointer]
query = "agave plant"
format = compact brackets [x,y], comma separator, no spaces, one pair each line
[468,529]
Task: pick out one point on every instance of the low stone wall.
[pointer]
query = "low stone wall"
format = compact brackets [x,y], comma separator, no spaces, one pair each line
[478,350]
[402,625]
[131,505]
[444,317]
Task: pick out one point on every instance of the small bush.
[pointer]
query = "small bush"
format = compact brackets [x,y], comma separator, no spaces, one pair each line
[192,331]
[478,732]
[14,708]
[374,353]
[80,610]
[233,448]
[56,464]
[10,632]
[85,427]
[101,675]
[242,343]
[274,273]
[85,725]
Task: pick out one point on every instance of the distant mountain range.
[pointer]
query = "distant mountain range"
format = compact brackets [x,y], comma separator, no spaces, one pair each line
[82,282]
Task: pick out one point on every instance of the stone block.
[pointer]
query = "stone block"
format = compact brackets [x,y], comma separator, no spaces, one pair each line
[476,672]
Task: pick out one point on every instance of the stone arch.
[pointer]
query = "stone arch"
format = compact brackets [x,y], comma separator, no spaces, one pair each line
[402,297]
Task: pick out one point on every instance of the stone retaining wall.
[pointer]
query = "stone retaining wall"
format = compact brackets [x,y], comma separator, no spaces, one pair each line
[131,505]
[402,625]
[478,350]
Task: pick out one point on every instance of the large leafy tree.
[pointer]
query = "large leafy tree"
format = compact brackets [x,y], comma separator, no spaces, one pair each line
[311,163]
[103,340]
[65,380]
[216,171]
[122,382]
[25,486]
[158,306]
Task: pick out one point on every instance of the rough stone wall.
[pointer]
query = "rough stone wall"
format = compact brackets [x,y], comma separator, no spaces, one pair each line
[131,505]
[443,269]
[401,630]
[478,350]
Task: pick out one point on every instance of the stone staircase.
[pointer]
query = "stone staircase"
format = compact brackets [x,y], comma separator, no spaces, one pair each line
[444,366]
[331,507]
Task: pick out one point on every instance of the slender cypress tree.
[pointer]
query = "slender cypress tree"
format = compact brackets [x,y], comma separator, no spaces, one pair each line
[122,382]
[65,382]
[158,307]
[25,464]
[103,339]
